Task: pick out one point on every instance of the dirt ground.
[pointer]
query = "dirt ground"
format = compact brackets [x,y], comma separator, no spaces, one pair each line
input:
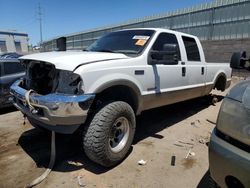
[162,133]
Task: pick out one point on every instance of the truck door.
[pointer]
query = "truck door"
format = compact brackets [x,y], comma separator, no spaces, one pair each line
[169,79]
[170,76]
[194,66]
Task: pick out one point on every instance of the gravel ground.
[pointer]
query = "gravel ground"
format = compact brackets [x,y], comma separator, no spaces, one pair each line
[162,133]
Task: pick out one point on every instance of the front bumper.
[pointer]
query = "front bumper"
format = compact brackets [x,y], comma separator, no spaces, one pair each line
[227,161]
[56,112]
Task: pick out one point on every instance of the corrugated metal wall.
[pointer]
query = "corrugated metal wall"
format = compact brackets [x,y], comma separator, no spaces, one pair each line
[218,20]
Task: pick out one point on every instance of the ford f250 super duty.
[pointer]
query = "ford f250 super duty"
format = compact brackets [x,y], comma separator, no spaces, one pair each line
[104,87]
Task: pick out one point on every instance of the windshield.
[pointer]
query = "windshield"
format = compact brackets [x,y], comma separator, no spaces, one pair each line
[127,42]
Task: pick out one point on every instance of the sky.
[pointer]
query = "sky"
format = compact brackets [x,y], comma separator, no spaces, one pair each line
[64,17]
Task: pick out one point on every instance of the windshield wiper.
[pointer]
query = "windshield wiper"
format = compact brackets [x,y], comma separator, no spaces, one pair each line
[126,52]
[106,50]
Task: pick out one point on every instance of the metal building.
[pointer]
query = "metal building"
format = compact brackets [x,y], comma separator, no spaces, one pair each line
[217,20]
[13,41]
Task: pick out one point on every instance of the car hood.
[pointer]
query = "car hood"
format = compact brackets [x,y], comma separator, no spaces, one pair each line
[241,92]
[71,60]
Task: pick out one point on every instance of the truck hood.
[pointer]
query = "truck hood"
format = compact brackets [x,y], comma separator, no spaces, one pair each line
[241,92]
[71,60]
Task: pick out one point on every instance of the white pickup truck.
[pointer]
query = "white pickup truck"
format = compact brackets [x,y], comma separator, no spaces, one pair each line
[104,87]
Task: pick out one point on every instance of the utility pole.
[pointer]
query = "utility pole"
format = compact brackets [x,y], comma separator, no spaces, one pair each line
[40,22]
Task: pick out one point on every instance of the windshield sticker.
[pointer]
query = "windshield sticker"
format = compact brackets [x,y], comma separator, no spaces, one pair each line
[140,42]
[142,37]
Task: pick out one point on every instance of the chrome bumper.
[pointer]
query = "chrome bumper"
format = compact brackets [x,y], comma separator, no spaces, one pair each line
[53,110]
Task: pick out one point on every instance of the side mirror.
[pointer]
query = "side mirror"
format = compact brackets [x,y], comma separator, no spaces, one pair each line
[168,56]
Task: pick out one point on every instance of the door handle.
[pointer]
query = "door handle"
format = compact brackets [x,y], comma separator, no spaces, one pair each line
[183,71]
[202,70]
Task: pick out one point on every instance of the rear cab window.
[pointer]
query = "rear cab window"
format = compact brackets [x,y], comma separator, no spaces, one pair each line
[192,49]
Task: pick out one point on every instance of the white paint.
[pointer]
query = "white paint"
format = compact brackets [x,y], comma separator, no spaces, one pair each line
[70,60]
[162,77]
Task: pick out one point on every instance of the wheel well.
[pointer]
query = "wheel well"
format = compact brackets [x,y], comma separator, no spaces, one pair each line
[220,83]
[117,93]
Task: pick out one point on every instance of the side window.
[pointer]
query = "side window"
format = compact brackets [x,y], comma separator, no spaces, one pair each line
[166,38]
[3,47]
[191,49]
[12,68]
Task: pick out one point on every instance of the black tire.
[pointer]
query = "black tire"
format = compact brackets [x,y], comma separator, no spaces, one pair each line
[104,131]
[236,61]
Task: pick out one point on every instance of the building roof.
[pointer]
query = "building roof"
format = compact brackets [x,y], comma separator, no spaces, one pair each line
[13,32]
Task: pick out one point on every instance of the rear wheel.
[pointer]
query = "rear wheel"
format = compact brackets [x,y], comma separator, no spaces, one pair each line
[236,60]
[108,137]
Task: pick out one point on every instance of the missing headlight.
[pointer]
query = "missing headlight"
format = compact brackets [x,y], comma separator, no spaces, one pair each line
[69,83]
[40,77]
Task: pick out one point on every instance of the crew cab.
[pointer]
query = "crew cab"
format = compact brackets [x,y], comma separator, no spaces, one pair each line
[104,87]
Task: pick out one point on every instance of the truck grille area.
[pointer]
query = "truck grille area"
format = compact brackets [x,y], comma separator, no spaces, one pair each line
[42,77]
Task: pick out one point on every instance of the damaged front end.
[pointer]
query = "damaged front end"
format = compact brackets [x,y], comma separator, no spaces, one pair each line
[54,98]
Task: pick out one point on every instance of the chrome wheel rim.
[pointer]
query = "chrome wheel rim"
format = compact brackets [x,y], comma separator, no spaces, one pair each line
[119,134]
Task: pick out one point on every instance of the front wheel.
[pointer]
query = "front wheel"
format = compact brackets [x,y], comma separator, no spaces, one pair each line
[108,137]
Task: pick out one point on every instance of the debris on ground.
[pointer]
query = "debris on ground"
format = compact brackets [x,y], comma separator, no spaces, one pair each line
[214,100]
[190,153]
[80,181]
[203,140]
[183,144]
[75,163]
[178,145]
[142,162]
[188,143]
[173,160]
[194,123]
[210,121]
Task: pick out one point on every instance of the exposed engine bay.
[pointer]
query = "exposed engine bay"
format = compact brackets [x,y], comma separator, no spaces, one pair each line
[44,78]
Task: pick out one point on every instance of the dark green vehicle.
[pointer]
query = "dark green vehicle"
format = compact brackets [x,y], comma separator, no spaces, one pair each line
[229,148]
[10,70]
